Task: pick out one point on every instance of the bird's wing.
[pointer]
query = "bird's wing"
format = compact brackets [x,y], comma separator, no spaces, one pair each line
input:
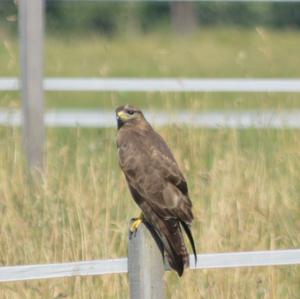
[175,192]
[153,173]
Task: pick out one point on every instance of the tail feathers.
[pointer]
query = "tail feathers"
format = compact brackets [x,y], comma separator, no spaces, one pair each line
[174,246]
[168,235]
[190,237]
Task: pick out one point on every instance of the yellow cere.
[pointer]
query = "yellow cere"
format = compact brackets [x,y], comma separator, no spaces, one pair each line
[122,115]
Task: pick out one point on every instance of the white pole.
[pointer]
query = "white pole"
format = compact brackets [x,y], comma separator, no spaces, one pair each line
[145,266]
[31,28]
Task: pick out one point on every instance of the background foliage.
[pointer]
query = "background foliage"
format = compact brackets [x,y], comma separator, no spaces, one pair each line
[112,17]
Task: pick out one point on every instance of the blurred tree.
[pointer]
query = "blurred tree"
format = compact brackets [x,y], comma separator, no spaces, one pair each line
[130,18]
[154,16]
[228,13]
[80,15]
[111,17]
[8,15]
[183,16]
[285,15]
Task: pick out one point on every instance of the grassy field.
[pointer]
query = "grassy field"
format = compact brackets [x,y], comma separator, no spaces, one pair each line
[244,184]
[224,53]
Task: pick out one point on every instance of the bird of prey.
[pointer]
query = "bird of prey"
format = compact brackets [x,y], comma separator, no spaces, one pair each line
[156,184]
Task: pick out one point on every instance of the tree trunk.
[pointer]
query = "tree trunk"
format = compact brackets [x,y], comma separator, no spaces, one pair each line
[183,17]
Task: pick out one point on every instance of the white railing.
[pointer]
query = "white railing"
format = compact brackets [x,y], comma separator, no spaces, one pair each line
[113,266]
[161,84]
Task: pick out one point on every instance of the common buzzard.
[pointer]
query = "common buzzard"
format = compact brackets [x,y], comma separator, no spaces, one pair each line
[156,184]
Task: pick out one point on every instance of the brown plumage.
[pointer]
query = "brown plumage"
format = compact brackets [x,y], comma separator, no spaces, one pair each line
[156,184]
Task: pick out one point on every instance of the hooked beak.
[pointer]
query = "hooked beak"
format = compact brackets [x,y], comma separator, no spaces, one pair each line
[122,116]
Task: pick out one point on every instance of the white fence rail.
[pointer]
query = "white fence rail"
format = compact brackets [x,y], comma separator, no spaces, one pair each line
[161,85]
[102,267]
[288,119]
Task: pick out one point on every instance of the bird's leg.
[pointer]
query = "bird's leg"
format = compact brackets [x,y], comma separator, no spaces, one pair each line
[135,223]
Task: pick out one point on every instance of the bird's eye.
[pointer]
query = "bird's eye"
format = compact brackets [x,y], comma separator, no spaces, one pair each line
[130,112]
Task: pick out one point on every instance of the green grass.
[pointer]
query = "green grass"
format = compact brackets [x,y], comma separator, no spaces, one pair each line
[244,186]
[175,101]
[217,52]
[209,53]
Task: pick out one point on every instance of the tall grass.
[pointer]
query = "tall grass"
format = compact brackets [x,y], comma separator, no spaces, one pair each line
[215,52]
[209,52]
[244,186]
[244,183]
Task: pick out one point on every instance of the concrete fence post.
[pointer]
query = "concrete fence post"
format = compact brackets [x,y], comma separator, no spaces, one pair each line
[145,266]
[31,29]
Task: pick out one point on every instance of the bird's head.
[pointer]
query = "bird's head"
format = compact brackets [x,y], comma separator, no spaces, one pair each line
[126,114]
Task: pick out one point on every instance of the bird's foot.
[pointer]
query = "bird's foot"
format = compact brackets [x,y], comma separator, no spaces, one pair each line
[134,225]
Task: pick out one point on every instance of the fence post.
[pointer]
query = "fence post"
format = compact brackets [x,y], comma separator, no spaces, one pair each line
[31,28]
[145,266]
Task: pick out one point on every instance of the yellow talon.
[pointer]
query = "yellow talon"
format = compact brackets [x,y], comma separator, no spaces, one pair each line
[136,222]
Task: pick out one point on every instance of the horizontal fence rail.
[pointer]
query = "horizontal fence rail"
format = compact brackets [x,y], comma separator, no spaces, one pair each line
[161,85]
[85,268]
[113,266]
[286,119]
